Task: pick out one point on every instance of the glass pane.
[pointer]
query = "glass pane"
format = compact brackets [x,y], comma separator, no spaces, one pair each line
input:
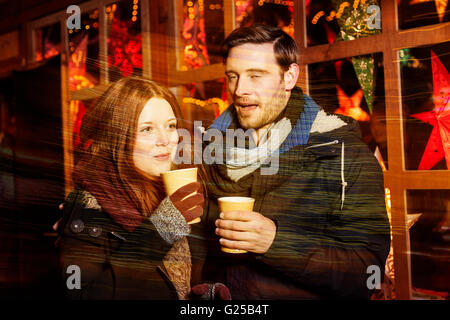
[7,137]
[124,39]
[426,108]
[429,231]
[418,13]
[203,101]
[84,69]
[338,20]
[47,42]
[354,87]
[77,109]
[202,32]
[274,13]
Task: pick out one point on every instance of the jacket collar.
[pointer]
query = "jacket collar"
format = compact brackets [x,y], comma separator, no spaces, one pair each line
[300,109]
[301,128]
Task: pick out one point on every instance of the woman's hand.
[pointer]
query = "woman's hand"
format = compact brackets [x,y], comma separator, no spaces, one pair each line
[189,200]
[210,291]
[56,225]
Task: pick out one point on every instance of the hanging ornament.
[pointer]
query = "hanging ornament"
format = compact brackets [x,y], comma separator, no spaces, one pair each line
[351,106]
[438,145]
[364,69]
[353,19]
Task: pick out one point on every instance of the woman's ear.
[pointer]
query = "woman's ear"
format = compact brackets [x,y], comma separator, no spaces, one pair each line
[291,76]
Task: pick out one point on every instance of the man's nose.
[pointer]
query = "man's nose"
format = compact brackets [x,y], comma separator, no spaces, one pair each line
[242,87]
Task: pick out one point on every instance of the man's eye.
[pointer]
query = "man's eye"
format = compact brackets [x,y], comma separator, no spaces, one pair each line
[232,77]
[254,76]
[173,126]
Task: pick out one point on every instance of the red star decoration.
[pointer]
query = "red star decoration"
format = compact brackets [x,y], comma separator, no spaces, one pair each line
[438,145]
[351,106]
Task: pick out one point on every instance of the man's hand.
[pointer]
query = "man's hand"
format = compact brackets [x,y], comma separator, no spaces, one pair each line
[246,230]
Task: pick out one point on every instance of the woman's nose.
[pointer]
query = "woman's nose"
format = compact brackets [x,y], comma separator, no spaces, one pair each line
[162,138]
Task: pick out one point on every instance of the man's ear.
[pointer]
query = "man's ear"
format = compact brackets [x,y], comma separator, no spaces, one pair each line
[291,76]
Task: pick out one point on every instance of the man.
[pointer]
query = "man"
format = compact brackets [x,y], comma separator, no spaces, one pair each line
[320,220]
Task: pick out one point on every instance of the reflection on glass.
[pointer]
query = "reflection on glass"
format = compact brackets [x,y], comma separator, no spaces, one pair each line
[418,13]
[338,20]
[269,12]
[84,71]
[429,230]
[354,87]
[203,101]
[124,39]
[47,42]
[426,107]
[7,135]
[77,110]
[202,32]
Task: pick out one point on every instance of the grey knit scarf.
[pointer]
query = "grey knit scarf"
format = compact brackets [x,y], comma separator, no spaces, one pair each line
[242,161]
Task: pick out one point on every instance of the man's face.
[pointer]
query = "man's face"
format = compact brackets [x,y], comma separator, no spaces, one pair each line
[256,84]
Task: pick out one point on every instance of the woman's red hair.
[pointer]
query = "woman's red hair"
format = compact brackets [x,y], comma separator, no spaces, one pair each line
[111,127]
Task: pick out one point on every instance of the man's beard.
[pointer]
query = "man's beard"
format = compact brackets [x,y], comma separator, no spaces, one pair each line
[272,110]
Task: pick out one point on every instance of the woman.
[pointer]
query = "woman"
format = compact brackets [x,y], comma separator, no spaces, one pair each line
[120,236]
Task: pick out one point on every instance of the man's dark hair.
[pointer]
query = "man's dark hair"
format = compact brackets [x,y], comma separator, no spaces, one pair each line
[284,47]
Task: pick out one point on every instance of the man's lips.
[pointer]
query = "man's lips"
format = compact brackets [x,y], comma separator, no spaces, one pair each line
[162,156]
[244,108]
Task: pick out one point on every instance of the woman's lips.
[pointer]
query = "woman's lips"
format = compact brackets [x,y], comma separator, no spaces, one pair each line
[162,157]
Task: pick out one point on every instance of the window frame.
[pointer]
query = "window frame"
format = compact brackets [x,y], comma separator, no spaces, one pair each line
[396,178]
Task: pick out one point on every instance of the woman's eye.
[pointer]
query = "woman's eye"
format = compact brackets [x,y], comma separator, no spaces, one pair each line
[146,129]
[173,126]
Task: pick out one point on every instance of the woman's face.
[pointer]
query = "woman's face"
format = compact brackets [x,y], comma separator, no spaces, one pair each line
[157,137]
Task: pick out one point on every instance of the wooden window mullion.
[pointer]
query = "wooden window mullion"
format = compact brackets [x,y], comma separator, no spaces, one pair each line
[103,45]
[394,131]
[301,39]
